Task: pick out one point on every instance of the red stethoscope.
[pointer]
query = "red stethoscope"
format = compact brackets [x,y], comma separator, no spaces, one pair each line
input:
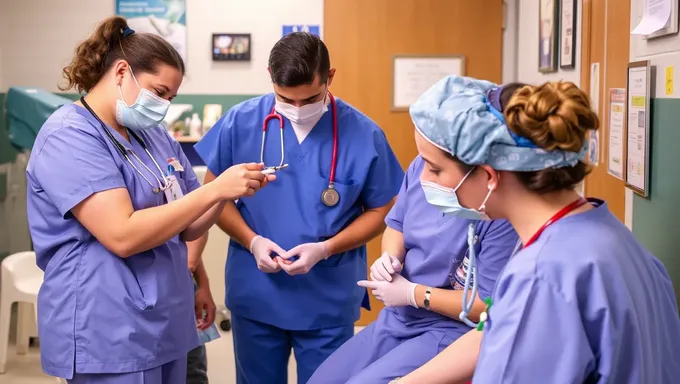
[559,215]
[330,196]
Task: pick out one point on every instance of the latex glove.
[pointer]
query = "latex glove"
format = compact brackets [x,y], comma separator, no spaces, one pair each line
[383,268]
[307,254]
[397,293]
[205,308]
[262,248]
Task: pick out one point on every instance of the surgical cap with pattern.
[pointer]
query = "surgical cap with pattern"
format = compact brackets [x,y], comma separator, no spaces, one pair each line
[462,116]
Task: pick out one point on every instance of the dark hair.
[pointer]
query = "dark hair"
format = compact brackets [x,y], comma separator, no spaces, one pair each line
[95,56]
[555,115]
[297,59]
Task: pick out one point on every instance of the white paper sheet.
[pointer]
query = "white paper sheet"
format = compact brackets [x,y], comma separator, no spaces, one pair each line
[637,126]
[656,15]
[617,108]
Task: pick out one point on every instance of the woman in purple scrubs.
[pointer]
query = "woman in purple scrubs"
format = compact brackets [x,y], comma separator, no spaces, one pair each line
[111,201]
[583,301]
[433,248]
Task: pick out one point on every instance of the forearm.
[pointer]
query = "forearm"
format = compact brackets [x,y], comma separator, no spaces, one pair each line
[393,243]
[448,302]
[201,226]
[195,251]
[362,230]
[200,274]
[232,223]
[454,365]
[151,227]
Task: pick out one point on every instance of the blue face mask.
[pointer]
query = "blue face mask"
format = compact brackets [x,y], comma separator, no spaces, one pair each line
[147,112]
[447,201]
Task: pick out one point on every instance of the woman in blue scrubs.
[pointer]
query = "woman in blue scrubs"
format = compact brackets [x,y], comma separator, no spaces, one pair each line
[111,201]
[297,248]
[583,301]
[433,248]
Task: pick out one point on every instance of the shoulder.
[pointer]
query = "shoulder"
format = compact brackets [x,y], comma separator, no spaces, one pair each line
[575,252]
[67,126]
[416,167]
[245,113]
[360,124]
[496,227]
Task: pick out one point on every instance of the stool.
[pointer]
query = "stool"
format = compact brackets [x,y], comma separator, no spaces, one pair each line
[21,281]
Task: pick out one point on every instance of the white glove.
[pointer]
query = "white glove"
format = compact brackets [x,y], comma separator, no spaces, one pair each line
[262,249]
[308,255]
[383,268]
[398,293]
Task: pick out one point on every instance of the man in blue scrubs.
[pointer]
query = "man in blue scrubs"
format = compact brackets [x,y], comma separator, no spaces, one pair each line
[298,247]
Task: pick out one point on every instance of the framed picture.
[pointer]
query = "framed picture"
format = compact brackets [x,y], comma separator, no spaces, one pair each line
[547,37]
[568,33]
[231,46]
[638,136]
[412,75]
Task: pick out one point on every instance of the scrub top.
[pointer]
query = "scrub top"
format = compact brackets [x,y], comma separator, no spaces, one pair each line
[437,247]
[97,312]
[289,211]
[586,303]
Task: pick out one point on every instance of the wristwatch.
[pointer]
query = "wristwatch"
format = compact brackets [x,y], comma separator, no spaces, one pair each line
[428,292]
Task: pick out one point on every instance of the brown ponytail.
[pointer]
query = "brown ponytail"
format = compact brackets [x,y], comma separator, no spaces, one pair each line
[95,56]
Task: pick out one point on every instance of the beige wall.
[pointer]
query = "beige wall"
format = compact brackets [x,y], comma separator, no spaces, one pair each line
[527,47]
[39,37]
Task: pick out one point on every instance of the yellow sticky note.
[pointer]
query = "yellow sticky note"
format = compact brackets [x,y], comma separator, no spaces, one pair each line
[669,81]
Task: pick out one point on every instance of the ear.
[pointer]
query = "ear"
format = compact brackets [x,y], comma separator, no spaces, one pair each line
[121,68]
[493,177]
[331,74]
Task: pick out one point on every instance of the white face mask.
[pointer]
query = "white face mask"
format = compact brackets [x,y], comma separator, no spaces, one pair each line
[306,115]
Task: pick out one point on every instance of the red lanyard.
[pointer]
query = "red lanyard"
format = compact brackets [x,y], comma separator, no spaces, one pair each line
[563,212]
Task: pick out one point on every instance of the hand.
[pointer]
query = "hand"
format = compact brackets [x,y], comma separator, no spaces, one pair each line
[308,255]
[204,302]
[262,248]
[397,293]
[241,180]
[383,268]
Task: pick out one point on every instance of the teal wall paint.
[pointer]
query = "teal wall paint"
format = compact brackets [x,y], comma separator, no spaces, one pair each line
[7,152]
[198,101]
[655,220]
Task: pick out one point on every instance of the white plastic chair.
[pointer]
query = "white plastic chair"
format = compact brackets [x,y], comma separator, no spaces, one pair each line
[21,281]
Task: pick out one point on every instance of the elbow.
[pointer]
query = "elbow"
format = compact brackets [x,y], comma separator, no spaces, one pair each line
[121,247]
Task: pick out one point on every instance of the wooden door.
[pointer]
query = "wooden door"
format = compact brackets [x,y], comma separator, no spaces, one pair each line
[364,35]
[604,23]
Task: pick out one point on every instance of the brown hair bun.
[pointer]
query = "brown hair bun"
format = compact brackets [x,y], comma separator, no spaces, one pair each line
[555,115]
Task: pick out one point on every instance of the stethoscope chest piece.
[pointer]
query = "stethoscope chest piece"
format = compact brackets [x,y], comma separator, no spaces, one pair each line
[330,196]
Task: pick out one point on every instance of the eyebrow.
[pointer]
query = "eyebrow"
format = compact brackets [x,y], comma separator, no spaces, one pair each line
[307,99]
[163,88]
[426,160]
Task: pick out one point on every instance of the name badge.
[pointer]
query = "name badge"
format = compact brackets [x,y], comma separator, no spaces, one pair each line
[175,191]
[175,164]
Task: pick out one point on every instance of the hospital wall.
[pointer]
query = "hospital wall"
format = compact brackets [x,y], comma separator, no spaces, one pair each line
[527,45]
[655,219]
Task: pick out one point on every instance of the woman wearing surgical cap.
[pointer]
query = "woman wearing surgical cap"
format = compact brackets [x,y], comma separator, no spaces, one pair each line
[582,301]
[424,299]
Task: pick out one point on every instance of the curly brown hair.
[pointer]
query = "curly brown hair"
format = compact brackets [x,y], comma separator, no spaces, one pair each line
[96,55]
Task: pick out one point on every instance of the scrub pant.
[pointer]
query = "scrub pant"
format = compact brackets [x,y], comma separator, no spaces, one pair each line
[386,349]
[174,372]
[262,350]
[197,366]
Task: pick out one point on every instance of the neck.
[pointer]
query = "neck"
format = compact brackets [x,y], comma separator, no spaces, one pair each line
[530,211]
[100,102]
